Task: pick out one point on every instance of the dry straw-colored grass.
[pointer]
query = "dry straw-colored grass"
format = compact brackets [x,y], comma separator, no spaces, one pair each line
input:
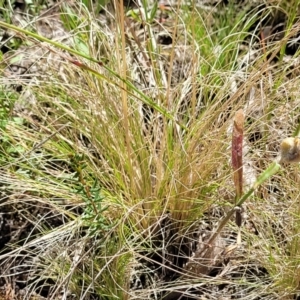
[154,147]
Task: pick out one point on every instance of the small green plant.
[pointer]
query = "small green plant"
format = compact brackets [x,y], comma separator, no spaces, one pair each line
[93,214]
[8,149]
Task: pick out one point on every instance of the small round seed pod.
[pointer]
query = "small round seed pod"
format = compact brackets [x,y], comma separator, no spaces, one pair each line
[290,150]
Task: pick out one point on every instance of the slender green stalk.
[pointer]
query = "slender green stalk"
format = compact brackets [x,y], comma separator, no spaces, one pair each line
[270,171]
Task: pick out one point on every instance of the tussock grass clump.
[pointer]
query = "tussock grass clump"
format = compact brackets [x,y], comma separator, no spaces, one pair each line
[118,169]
